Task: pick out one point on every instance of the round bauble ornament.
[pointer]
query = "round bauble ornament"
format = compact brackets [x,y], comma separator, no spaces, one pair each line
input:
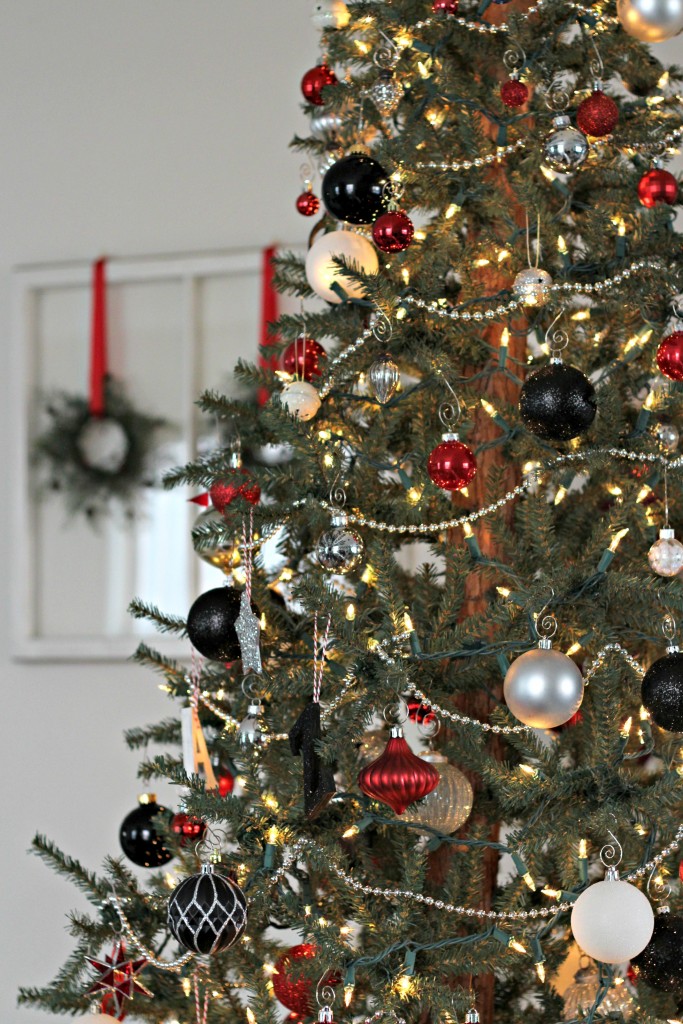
[226,783]
[294,990]
[324,122]
[138,835]
[666,554]
[668,436]
[300,399]
[662,691]
[543,688]
[314,81]
[580,996]
[307,204]
[393,231]
[514,93]
[565,148]
[445,6]
[103,445]
[211,624]
[451,465]
[656,187]
[303,358]
[384,378]
[188,828]
[532,286]
[612,920]
[597,114]
[386,93]
[322,273]
[670,355]
[224,556]
[238,483]
[557,402]
[330,14]
[207,912]
[660,964]
[353,189]
[449,805]
[397,777]
[651,21]
[340,549]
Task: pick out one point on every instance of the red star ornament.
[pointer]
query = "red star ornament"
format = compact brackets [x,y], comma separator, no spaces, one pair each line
[119,977]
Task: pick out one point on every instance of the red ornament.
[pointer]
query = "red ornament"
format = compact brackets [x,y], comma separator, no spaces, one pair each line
[393,231]
[657,186]
[447,6]
[241,486]
[633,974]
[296,993]
[308,204]
[597,114]
[452,464]
[514,93]
[680,871]
[188,828]
[397,777]
[109,1006]
[118,978]
[420,712]
[314,81]
[302,359]
[226,784]
[670,355]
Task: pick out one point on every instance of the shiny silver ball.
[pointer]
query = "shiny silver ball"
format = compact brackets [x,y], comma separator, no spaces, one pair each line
[532,286]
[651,21]
[386,93]
[384,378]
[565,148]
[543,688]
[340,549]
[325,123]
[668,436]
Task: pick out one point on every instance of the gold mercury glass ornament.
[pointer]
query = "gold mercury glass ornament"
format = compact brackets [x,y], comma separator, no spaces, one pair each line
[448,806]
[225,557]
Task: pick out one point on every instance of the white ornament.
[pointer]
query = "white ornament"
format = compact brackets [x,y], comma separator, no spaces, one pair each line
[651,21]
[103,444]
[300,399]
[330,14]
[321,272]
[612,921]
[666,554]
[543,688]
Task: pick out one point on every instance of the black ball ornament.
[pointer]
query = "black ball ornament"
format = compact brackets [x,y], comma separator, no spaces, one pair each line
[138,834]
[662,692]
[211,624]
[661,964]
[557,402]
[207,912]
[353,189]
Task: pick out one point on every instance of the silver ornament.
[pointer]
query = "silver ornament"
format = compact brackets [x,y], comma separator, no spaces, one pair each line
[325,123]
[248,629]
[386,93]
[666,554]
[565,148]
[651,21]
[250,731]
[384,377]
[330,14]
[449,805]
[532,286]
[300,399]
[340,549]
[668,436]
[543,688]
[103,444]
[580,996]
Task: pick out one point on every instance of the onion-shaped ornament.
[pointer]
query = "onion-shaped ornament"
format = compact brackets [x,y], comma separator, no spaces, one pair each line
[384,377]
[387,92]
[325,277]
[612,920]
[300,399]
[565,148]
[660,964]
[651,21]
[448,806]
[580,996]
[207,912]
[543,688]
[666,554]
[532,286]
[340,549]
[398,778]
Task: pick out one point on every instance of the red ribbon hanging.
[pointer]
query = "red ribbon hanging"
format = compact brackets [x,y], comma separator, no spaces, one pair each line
[98,339]
[269,306]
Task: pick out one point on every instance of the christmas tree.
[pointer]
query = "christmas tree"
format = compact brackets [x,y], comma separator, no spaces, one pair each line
[440,693]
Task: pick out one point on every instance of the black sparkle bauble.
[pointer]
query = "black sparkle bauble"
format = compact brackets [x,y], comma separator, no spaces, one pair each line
[207,912]
[138,834]
[353,189]
[661,962]
[557,402]
[662,693]
[211,624]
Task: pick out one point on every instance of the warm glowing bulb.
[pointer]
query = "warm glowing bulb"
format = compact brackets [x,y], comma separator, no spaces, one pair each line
[348,994]
[405,274]
[328,459]
[553,893]
[560,495]
[561,245]
[414,494]
[404,986]
[504,254]
[487,407]
[187,985]
[574,649]
[583,848]
[614,490]
[529,770]
[401,313]
[369,575]
[273,835]
[503,591]
[251,1016]
[362,46]
[270,802]
[467,530]
[452,210]
[643,714]
[581,314]
[408,622]
[505,338]
[547,173]
[625,730]
[617,539]
[528,880]
[517,946]
[423,67]
[350,611]
[482,262]
[540,971]
[270,969]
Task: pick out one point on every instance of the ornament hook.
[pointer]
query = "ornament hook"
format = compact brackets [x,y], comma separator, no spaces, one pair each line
[545,623]
[450,411]
[337,494]
[324,992]
[657,889]
[210,844]
[557,96]
[387,54]
[595,64]
[558,340]
[430,726]
[396,714]
[514,58]
[611,853]
[381,325]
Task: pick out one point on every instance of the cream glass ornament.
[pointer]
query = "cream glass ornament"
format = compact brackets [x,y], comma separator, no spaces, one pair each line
[300,399]
[532,286]
[651,21]
[330,14]
[580,996]
[666,554]
[612,921]
[449,805]
[322,273]
[103,444]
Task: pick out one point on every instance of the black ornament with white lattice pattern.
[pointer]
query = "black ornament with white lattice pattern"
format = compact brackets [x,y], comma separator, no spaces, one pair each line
[207,912]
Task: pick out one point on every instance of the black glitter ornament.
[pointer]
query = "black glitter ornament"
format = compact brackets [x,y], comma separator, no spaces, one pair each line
[319,785]
[207,912]
[660,965]
[662,693]
[557,402]
[138,834]
[211,624]
[353,189]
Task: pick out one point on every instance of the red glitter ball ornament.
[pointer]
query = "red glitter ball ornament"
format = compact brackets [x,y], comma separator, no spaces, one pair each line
[514,93]
[393,231]
[240,486]
[188,828]
[226,784]
[452,464]
[308,204]
[397,777]
[670,355]
[597,114]
[302,359]
[447,6]
[314,81]
[296,993]
[657,186]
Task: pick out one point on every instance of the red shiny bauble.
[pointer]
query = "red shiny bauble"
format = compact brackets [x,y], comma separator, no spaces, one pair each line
[680,871]
[514,93]
[302,359]
[420,712]
[632,974]
[597,114]
[226,784]
[314,81]
[393,231]
[447,6]
[452,465]
[670,355]
[296,993]
[657,186]
[308,204]
[187,827]
[240,485]
[397,777]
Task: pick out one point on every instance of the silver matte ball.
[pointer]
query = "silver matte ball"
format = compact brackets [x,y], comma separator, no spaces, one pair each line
[668,436]
[532,286]
[340,549]
[330,14]
[543,688]
[103,445]
[566,147]
[651,21]
[325,123]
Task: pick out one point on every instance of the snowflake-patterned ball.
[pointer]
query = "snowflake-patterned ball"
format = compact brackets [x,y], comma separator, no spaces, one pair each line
[207,912]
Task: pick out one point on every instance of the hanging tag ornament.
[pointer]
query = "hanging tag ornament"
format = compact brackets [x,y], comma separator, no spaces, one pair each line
[196,758]
[319,787]
[451,465]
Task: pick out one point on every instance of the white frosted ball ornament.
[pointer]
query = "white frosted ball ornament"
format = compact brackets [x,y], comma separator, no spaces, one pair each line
[612,921]
[103,445]
[330,14]
[300,399]
[322,273]
[651,21]
[666,554]
[543,688]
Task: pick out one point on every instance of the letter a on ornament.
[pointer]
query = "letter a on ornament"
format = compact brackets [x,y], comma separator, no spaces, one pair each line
[196,760]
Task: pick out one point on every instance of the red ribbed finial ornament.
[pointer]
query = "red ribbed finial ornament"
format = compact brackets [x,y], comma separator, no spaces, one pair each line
[397,777]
